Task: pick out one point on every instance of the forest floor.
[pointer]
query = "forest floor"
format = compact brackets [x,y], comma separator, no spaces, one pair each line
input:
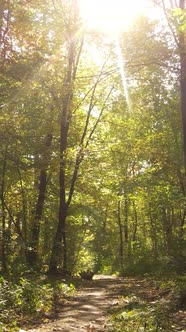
[90,307]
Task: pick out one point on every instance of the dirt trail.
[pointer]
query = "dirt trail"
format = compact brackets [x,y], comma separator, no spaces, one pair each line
[87,310]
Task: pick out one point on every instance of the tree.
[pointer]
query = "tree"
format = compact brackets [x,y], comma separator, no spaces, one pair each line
[68,110]
[86,179]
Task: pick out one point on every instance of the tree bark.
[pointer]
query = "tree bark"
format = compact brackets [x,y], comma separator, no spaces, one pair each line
[60,244]
[59,248]
[120,234]
[135,222]
[167,227]
[3,212]
[153,222]
[182,42]
[126,232]
[32,253]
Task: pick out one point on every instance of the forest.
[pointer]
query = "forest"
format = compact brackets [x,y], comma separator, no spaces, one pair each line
[92,148]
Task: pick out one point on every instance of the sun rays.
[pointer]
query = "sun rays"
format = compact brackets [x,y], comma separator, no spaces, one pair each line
[111,16]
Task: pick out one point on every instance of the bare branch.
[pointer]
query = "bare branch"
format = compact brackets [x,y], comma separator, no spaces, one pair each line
[14,222]
[80,153]
[99,118]
[78,58]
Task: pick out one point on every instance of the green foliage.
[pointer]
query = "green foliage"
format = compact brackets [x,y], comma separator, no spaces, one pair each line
[138,317]
[179,16]
[137,314]
[30,297]
[134,157]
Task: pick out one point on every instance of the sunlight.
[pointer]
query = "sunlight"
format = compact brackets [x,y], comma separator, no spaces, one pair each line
[111,16]
[122,72]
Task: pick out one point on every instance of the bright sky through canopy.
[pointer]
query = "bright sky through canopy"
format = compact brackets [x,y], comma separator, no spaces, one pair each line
[111,16]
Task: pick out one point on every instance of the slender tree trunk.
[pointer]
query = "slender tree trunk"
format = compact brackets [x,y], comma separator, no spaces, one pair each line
[135,222]
[182,42]
[105,220]
[24,211]
[153,232]
[59,248]
[60,244]
[167,226]
[182,223]
[126,231]
[32,255]
[3,250]
[120,234]
[3,214]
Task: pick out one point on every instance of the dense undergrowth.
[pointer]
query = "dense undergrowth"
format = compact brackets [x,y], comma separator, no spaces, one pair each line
[158,305]
[29,299]
[149,303]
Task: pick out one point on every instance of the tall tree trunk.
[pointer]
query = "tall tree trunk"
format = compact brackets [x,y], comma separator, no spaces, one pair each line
[60,244]
[59,248]
[32,255]
[24,211]
[120,234]
[167,227]
[182,43]
[126,230]
[180,40]
[182,223]
[135,222]
[3,213]
[153,222]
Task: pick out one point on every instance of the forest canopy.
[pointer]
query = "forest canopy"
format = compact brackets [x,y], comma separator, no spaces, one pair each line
[93,137]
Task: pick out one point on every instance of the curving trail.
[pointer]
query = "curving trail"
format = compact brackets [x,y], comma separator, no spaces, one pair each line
[89,309]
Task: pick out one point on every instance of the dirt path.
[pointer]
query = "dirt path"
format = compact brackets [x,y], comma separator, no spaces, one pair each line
[87,310]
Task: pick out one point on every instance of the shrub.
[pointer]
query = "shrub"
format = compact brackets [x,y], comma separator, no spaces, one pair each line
[28,298]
